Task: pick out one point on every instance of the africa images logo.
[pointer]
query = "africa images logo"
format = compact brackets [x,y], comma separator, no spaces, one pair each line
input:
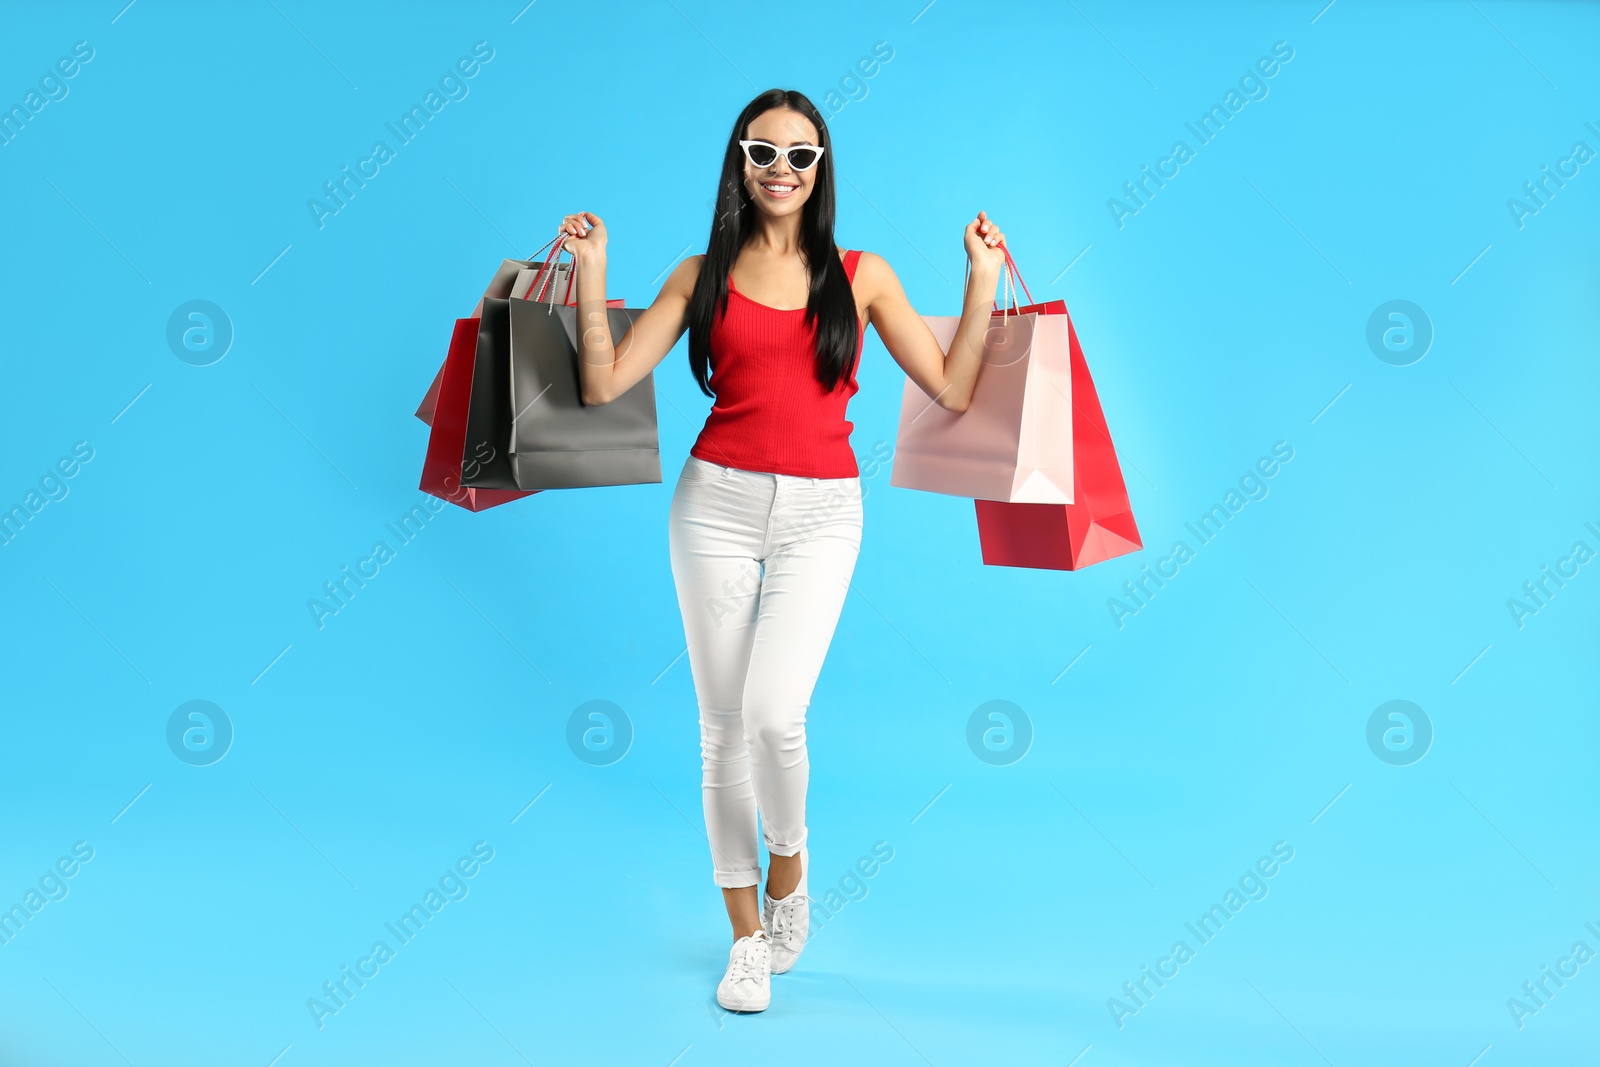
[452,86]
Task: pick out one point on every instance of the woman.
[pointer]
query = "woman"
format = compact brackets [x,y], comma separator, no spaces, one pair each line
[765,521]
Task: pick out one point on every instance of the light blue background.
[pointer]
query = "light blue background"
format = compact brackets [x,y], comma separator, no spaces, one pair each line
[1225,716]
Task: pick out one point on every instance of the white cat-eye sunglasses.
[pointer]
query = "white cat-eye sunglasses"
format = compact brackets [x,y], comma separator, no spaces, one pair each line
[765,154]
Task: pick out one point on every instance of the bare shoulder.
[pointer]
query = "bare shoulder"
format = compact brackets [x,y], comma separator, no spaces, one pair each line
[684,276]
[872,263]
[874,276]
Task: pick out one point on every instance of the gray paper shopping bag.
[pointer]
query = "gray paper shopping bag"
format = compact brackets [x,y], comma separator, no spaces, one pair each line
[556,441]
[514,278]
[486,454]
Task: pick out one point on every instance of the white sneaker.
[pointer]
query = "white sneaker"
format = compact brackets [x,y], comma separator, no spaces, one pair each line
[788,921]
[747,986]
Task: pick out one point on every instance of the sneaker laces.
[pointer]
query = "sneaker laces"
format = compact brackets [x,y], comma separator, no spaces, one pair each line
[784,914]
[748,963]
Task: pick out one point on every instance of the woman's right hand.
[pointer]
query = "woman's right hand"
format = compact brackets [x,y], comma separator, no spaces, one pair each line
[584,235]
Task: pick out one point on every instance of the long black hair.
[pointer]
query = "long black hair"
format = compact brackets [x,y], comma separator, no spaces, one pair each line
[831,306]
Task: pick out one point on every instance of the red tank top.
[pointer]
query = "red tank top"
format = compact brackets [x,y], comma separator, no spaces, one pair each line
[771,414]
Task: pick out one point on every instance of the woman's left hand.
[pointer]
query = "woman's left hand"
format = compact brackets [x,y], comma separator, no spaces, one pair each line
[984,241]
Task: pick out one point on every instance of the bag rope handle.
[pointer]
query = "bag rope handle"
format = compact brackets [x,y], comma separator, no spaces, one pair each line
[1013,277]
[534,259]
[547,273]
[1013,265]
[1009,278]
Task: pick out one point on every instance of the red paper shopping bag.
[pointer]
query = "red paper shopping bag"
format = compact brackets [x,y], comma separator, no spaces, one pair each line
[442,467]
[1098,525]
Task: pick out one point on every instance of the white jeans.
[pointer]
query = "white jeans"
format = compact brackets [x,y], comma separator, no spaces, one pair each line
[757,638]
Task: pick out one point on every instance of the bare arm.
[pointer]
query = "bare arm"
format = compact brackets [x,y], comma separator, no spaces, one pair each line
[606,370]
[947,377]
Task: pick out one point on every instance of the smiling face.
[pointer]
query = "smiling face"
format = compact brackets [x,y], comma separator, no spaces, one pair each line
[779,189]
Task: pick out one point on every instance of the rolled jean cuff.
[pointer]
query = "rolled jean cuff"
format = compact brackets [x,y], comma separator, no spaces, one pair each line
[737,879]
[778,850]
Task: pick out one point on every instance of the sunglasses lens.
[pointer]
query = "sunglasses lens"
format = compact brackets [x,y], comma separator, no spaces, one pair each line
[802,158]
[762,155]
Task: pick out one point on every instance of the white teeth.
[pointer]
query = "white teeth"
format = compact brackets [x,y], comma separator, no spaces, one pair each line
[779,188]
